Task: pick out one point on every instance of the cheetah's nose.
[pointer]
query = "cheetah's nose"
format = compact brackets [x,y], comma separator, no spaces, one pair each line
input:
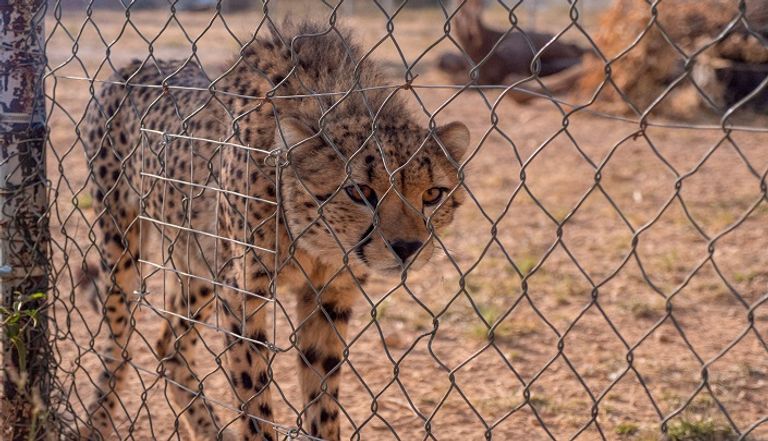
[405,249]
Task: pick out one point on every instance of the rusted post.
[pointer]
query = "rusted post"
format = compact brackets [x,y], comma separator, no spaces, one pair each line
[24,233]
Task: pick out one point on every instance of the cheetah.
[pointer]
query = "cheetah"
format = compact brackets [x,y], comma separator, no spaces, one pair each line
[290,162]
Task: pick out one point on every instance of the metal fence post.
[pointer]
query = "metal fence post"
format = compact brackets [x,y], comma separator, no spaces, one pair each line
[23,222]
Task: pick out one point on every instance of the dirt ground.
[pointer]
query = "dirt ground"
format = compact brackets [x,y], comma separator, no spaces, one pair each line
[622,277]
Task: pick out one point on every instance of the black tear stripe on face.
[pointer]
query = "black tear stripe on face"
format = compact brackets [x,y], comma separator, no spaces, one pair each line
[323,197]
[370,169]
[365,239]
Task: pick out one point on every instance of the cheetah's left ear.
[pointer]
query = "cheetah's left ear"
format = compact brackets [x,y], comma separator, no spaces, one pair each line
[455,138]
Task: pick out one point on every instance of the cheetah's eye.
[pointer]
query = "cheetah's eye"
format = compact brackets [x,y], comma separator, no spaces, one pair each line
[434,195]
[365,193]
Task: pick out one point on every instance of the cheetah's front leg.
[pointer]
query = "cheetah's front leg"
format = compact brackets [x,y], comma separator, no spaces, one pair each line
[247,360]
[324,315]
[113,283]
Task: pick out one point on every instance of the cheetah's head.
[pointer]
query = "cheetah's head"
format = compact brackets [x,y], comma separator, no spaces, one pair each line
[375,200]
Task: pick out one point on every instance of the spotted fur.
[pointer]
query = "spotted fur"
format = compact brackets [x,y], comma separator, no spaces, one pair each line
[164,143]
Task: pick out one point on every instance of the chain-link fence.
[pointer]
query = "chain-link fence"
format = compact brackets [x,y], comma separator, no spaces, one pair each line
[385,220]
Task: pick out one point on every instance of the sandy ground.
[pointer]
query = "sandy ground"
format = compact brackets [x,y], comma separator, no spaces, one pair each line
[612,275]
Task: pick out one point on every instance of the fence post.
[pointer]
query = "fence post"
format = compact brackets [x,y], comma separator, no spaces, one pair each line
[26,363]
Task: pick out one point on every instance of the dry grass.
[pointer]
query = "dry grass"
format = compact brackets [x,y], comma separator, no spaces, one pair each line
[534,282]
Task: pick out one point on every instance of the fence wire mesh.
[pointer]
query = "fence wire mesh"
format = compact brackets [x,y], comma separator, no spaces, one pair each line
[272,229]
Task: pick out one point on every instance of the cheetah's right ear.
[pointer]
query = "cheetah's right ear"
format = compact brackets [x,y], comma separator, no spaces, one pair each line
[290,132]
[304,147]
